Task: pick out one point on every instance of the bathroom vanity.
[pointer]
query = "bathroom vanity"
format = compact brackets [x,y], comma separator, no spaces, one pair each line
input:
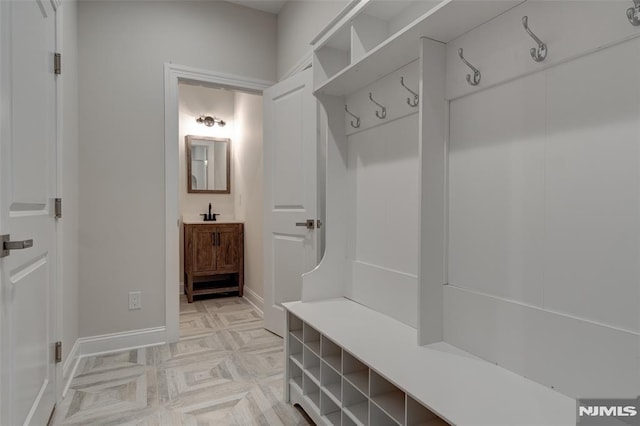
[213,257]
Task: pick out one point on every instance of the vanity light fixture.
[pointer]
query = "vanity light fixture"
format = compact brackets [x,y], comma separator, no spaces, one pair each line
[209,121]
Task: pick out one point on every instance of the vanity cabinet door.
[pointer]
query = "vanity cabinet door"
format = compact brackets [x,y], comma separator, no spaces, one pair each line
[203,248]
[229,248]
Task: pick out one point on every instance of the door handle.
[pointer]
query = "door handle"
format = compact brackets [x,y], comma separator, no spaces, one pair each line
[8,245]
[309,224]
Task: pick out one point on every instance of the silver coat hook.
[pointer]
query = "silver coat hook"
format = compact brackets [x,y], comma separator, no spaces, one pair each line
[633,13]
[383,111]
[476,72]
[416,98]
[540,53]
[357,123]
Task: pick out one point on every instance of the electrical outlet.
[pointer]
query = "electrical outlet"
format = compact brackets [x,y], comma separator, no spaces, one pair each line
[135,300]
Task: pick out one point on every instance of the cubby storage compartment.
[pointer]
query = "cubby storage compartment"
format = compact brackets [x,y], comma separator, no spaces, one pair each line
[355,372]
[381,20]
[295,326]
[346,420]
[311,390]
[388,397]
[333,418]
[334,55]
[295,373]
[331,354]
[380,418]
[355,403]
[329,409]
[295,350]
[311,338]
[417,414]
[331,382]
[311,364]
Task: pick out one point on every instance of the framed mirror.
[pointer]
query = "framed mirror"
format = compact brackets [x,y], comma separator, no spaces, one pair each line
[208,165]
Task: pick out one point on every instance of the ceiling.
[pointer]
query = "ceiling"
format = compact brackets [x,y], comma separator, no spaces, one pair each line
[271,6]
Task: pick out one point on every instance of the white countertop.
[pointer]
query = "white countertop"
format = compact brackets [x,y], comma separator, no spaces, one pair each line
[191,219]
[209,222]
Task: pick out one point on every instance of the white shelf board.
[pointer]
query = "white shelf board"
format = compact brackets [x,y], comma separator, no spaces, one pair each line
[297,397]
[314,397]
[391,403]
[333,392]
[297,334]
[314,346]
[292,381]
[359,379]
[334,362]
[297,359]
[441,377]
[358,412]
[314,374]
[445,22]
[295,386]
[333,418]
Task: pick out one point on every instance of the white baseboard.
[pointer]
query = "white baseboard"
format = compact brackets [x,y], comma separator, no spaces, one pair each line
[255,299]
[115,342]
[70,365]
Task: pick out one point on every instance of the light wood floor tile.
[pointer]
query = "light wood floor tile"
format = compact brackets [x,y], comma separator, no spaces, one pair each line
[225,370]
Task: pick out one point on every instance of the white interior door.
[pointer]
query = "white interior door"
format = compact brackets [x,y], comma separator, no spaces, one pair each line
[290,144]
[28,185]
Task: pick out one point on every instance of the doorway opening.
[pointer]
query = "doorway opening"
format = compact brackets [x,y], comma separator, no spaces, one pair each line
[196,103]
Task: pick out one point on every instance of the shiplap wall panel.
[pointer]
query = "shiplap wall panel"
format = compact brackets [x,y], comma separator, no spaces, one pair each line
[385,166]
[557,152]
[578,358]
[383,239]
[496,197]
[592,208]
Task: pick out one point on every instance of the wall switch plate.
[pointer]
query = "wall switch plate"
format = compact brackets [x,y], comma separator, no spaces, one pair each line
[135,300]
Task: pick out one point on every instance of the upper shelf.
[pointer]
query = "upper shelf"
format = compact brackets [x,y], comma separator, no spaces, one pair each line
[372,55]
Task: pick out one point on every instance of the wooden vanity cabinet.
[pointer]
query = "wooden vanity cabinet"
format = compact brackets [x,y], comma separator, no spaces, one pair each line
[213,258]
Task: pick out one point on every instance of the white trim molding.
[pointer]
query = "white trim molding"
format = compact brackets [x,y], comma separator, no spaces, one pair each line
[301,65]
[69,366]
[174,74]
[116,342]
[255,299]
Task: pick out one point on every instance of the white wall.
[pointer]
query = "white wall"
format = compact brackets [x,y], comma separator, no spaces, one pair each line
[194,101]
[248,158]
[70,187]
[122,49]
[298,23]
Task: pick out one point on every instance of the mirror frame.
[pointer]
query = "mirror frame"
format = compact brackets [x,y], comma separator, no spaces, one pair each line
[190,190]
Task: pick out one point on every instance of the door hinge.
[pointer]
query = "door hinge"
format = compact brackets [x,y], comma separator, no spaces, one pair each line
[58,208]
[57,63]
[58,352]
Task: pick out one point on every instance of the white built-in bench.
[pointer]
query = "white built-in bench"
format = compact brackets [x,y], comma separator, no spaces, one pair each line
[332,346]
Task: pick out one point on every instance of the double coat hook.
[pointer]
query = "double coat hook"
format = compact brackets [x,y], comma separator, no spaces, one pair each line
[383,111]
[633,13]
[357,122]
[540,53]
[415,95]
[476,72]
